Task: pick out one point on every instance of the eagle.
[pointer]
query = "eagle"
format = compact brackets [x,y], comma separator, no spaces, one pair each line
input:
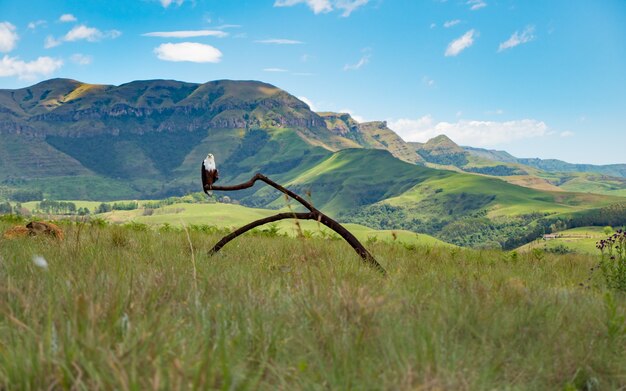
[210,175]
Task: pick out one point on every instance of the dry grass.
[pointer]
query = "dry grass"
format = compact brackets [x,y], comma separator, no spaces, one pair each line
[121,308]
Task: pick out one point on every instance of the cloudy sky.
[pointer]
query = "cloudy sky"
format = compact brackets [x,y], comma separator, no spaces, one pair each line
[536,78]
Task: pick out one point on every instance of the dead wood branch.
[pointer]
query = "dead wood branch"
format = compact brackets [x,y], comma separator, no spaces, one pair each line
[314,214]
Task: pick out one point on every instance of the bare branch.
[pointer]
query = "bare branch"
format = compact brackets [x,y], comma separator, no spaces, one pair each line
[313,215]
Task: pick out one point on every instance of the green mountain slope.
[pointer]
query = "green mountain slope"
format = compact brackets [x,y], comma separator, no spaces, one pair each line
[374,134]
[441,152]
[150,136]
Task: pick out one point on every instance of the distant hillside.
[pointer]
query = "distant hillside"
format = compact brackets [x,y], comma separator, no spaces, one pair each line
[374,134]
[63,139]
[441,152]
[146,138]
[549,165]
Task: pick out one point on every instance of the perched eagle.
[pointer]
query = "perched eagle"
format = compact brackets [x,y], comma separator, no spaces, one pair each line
[210,175]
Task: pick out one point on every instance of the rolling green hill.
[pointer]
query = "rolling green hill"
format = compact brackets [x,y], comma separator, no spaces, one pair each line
[441,152]
[146,139]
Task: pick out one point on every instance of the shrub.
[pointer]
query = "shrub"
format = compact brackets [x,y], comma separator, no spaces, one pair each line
[613,263]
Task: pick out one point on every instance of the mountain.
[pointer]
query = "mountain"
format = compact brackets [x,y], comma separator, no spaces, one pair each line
[373,134]
[146,139]
[552,175]
[549,165]
[442,152]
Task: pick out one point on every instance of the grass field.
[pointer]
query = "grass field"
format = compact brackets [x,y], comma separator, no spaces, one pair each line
[117,308]
[581,240]
[233,216]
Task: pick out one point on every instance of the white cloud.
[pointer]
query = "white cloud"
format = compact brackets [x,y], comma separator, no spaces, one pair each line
[359,64]
[458,45]
[167,3]
[451,23]
[34,24]
[8,37]
[318,6]
[308,102]
[188,51]
[90,34]
[518,39]
[279,41]
[81,59]
[274,70]
[42,66]
[79,33]
[349,6]
[566,133]
[476,4]
[187,34]
[51,42]
[67,18]
[324,6]
[466,132]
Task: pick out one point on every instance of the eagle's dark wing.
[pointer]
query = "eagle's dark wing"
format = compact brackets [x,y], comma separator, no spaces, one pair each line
[205,177]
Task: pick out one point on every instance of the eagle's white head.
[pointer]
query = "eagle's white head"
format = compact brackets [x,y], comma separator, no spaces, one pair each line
[209,162]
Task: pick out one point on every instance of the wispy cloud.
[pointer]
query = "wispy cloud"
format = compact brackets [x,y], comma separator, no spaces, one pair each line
[458,45]
[518,38]
[42,66]
[188,51]
[318,6]
[348,6]
[275,70]
[51,42]
[451,23]
[476,4]
[359,64]
[475,133]
[8,37]
[228,26]
[167,3]
[36,23]
[279,41]
[81,33]
[66,18]
[187,34]
[325,6]
[91,34]
[81,59]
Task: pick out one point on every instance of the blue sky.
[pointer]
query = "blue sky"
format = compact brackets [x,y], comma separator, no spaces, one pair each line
[536,78]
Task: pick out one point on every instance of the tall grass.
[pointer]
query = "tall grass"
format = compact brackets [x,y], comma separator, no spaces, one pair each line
[122,308]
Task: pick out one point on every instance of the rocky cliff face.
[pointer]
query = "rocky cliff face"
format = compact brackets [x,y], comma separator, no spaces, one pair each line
[374,134]
[62,107]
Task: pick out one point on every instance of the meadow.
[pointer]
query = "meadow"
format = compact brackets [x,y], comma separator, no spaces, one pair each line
[127,307]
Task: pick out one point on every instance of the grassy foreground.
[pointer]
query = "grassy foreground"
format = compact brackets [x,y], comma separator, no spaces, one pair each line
[122,309]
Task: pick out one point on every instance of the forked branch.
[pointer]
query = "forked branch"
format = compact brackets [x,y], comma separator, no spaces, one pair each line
[313,214]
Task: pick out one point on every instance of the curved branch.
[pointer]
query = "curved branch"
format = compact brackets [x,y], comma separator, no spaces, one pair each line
[254,224]
[314,214]
[261,177]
